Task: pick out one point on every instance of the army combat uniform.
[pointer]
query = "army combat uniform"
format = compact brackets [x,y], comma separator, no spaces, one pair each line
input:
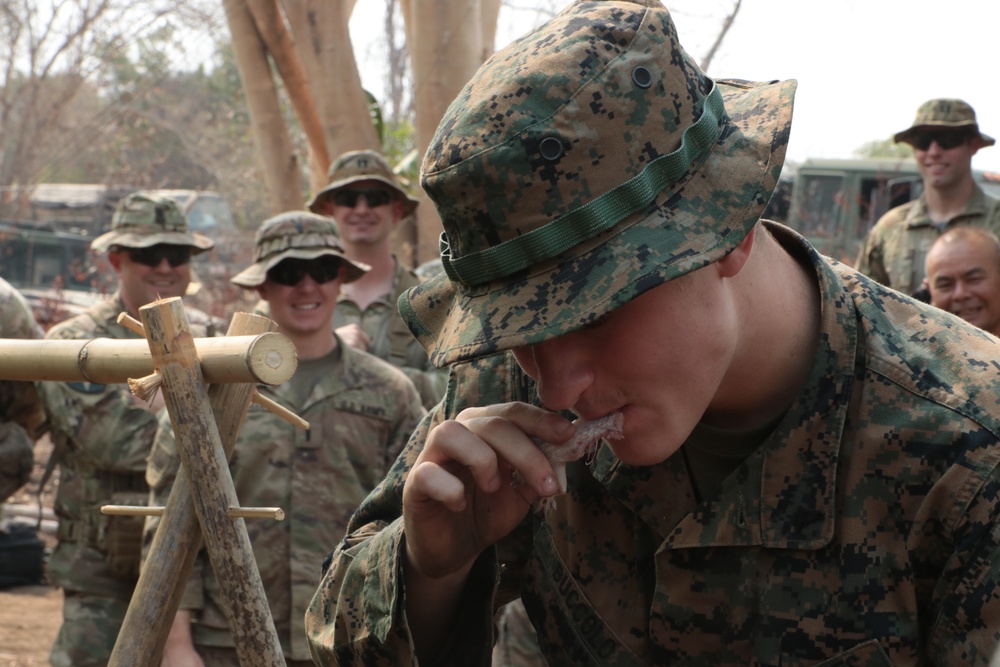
[20,409]
[361,411]
[101,439]
[896,247]
[391,340]
[815,550]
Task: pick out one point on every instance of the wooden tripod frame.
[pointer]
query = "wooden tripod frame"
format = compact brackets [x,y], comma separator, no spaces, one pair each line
[202,503]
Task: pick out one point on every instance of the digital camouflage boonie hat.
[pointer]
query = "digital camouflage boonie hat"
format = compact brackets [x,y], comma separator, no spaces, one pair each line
[583,165]
[141,221]
[942,114]
[363,165]
[295,234]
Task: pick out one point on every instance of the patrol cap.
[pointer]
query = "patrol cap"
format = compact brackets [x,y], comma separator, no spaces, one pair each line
[943,114]
[299,235]
[363,165]
[583,165]
[141,221]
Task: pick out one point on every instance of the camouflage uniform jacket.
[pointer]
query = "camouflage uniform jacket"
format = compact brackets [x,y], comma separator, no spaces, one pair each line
[895,249]
[391,339]
[20,408]
[360,417]
[863,531]
[102,438]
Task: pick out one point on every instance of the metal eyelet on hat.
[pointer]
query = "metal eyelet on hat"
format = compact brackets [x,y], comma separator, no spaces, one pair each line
[642,77]
[550,148]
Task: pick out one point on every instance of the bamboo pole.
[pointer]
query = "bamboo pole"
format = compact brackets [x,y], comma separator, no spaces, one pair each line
[262,358]
[275,513]
[205,444]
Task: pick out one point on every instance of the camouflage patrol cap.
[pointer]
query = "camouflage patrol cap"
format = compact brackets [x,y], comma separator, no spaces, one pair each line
[943,114]
[583,165]
[142,220]
[298,235]
[363,165]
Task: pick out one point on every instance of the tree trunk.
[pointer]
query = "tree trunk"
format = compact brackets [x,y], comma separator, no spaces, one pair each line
[323,41]
[280,164]
[444,54]
[279,43]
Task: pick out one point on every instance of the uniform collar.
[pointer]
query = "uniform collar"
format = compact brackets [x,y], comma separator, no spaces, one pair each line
[917,216]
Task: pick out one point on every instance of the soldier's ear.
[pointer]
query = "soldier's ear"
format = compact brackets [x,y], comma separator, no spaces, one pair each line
[115,259]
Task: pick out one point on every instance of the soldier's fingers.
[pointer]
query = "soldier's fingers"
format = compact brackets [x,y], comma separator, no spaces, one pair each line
[513,431]
[451,444]
[429,481]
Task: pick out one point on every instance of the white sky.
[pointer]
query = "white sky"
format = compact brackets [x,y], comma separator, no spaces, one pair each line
[863,66]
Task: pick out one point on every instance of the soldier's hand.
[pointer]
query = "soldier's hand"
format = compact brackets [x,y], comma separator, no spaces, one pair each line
[459,497]
[353,335]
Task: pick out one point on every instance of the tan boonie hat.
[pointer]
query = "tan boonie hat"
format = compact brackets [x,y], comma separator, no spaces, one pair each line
[944,114]
[363,165]
[583,165]
[299,235]
[141,221]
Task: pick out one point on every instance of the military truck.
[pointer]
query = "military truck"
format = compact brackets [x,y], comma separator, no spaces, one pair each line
[834,203]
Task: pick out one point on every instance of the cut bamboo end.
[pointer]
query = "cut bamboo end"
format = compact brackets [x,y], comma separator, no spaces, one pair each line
[132,324]
[275,513]
[280,411]
[131,510]
[145,387]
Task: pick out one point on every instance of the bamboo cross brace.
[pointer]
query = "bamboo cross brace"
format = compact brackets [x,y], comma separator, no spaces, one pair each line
[265,358]
[176,542]
[275,513]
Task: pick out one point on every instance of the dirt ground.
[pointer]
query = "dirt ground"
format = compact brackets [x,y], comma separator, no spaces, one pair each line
[30,615]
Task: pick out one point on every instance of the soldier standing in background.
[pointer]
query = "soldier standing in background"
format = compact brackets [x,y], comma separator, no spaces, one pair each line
[21,413]
[963,276]
[368,203]
[102,434]
[944,137]
[361,411]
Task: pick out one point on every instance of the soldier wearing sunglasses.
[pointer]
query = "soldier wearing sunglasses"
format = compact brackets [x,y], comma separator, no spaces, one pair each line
[368,203]
[102,434]
[360,409]
[944,137]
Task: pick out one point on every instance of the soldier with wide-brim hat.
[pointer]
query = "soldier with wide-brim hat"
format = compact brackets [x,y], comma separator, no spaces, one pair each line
[945,137]
[363,165]
[944,114]
[141,221]
[743,435]
[295,235]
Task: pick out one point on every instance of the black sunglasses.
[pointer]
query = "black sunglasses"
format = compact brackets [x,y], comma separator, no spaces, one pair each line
[176,255]
[291,272]
[946,139]
[373,197]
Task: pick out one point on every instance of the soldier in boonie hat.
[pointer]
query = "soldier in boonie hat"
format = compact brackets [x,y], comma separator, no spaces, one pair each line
[945,137]
[944,114]
[754,425]
[142,221]
[356,167]
[298,235]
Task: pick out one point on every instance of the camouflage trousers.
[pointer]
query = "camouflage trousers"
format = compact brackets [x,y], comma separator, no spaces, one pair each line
[218,656]
[89,630]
